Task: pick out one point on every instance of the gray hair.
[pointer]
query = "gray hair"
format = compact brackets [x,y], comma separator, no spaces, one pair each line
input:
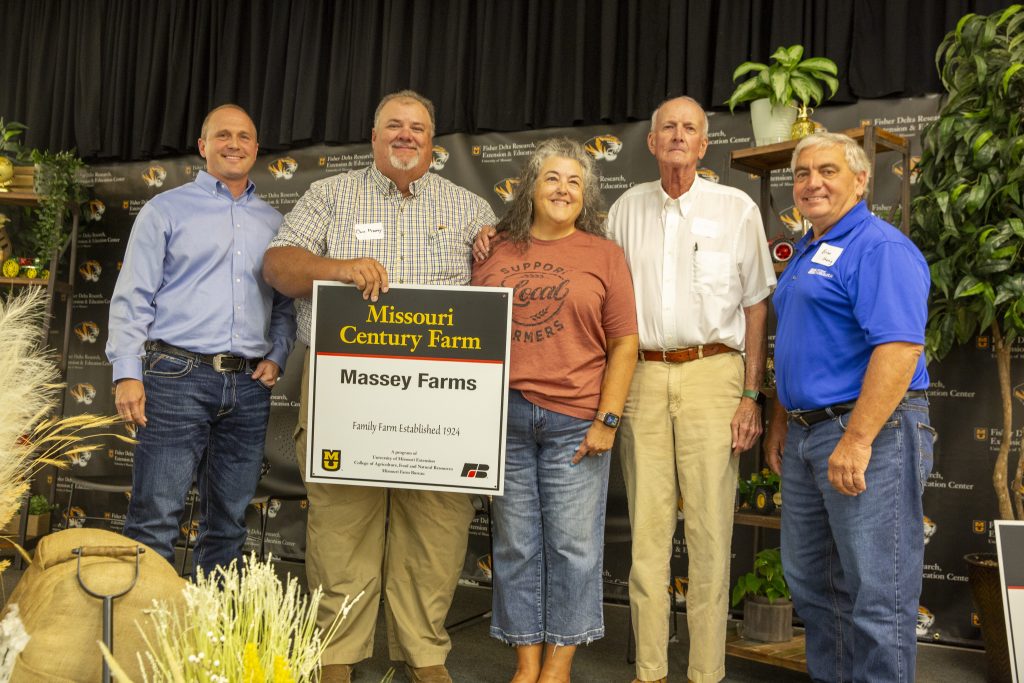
[517,220]
[654,114]
[406,95]
[856,157]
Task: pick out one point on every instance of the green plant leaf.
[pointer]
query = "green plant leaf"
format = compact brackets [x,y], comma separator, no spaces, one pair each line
[781,88]
[750,89]
[794,54]
[1014,68]
[747,67]
[969,286]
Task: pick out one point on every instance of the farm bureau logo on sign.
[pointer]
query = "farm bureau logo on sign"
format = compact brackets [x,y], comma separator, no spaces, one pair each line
[474,471]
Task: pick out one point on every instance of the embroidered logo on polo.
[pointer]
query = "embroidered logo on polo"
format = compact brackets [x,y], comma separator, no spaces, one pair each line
[154,176]
[603,147]
[438,158]
[283,168]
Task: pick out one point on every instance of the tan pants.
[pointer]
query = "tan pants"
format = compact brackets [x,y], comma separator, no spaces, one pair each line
[676,428]
[416,561]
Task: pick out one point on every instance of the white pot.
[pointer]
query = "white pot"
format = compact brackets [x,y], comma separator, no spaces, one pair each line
[771,124]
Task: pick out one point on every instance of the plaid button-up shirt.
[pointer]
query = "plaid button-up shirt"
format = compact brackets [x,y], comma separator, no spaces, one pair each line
[427,236]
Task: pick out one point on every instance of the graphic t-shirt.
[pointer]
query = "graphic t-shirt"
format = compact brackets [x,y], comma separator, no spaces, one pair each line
[571,296]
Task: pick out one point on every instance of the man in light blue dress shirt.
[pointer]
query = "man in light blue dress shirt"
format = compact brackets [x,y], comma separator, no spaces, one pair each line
[197,342]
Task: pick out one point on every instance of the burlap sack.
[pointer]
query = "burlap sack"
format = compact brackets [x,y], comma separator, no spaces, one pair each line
[65,622]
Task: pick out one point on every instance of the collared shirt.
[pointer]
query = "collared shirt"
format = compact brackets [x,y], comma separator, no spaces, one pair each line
[425,238]
[864,283]
[697,261]
[192,277]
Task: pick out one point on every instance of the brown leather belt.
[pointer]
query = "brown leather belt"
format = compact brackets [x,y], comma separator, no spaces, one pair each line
[687,354]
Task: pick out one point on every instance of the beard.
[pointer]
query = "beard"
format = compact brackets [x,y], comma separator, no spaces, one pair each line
[401,165]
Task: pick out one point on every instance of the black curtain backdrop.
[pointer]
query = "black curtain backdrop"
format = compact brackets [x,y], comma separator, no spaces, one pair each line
[124,79]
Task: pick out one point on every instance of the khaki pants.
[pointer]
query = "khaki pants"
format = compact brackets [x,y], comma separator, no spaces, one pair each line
[416,561]
[676,430]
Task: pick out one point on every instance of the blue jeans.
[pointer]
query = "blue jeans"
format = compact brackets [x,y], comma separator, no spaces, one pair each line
[548,532]
[202,426]
[854,563]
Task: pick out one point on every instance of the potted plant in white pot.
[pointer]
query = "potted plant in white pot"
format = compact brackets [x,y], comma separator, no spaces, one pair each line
[776,91]
[968,220]
[767,603]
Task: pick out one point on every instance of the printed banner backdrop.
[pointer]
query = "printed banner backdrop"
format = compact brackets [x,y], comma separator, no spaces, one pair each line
[959,501]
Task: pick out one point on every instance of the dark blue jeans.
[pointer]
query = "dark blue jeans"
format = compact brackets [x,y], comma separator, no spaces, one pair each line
[854,563]
[202,426]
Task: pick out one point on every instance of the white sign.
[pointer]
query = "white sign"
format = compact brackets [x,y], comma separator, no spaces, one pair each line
[1010,546]
[409,391]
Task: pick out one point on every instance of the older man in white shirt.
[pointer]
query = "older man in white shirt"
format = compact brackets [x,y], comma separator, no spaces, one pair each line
[702,275]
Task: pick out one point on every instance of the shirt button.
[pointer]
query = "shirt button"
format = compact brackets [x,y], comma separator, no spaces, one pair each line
[238,279]
[239,253]
[238,225]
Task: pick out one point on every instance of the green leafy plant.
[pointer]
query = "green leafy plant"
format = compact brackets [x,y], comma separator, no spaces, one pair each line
[767,579]
[39,505]
[59,191]
[10,131]
[789,77]
[968,218]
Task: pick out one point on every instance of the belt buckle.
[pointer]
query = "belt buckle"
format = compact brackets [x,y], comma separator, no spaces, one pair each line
[218,363]
[664,355]
[798,417]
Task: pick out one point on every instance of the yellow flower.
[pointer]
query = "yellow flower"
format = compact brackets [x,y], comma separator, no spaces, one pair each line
[252,672]
[281,672]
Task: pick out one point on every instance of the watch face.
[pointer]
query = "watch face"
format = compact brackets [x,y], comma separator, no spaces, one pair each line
[611,420]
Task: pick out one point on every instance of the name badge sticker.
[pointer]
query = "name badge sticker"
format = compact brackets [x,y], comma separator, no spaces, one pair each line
[827,255]
[369,231]
[704,227]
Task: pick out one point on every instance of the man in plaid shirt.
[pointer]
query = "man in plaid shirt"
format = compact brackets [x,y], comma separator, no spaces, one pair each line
[391,222]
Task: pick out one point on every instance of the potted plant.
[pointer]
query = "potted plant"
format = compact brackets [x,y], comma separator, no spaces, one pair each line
[9,148]
[968,220]
[59,192]
[767,603]
[777,90]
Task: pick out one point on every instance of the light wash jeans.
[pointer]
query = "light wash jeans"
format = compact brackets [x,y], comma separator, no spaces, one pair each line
[854,563]
[202,425]
[548,532]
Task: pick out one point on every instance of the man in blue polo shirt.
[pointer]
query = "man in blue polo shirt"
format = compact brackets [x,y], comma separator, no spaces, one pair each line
[850,433]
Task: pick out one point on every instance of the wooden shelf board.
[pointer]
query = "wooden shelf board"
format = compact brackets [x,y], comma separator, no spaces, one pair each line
[762,160]
[62,287]
[19,197]
[790,654]
[754,519]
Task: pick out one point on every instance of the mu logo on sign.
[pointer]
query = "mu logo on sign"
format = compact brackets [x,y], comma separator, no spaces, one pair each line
[331,460]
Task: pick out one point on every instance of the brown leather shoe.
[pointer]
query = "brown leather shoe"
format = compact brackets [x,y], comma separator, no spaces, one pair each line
[428,674]
[336,673]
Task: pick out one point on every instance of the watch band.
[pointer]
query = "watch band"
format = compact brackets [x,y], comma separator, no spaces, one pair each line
[754,395]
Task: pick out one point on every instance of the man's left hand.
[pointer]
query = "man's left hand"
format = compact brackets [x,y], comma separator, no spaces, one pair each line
[847,465]
[267,372]
[746,426]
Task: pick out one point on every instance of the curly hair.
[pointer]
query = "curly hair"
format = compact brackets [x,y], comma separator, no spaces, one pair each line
[515,225]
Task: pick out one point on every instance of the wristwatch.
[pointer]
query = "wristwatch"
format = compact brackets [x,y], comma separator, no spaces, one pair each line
[608,419]
[755,396]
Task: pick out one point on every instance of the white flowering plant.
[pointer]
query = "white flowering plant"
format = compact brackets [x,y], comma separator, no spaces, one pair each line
[235,626]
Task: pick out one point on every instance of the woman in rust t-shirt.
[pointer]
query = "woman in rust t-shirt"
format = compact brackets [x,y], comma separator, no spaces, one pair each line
[574,347]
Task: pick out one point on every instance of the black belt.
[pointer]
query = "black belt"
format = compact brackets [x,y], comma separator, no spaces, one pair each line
[221,362]
[809,418]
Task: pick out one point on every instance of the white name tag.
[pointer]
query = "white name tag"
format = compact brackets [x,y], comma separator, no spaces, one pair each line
[369,231]
[827,255]
[704,227]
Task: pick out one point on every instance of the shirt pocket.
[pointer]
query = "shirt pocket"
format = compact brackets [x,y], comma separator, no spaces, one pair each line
[711,272]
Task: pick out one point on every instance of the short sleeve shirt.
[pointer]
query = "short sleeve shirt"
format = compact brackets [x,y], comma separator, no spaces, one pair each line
[571,296]
[864,283]
[425,238]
